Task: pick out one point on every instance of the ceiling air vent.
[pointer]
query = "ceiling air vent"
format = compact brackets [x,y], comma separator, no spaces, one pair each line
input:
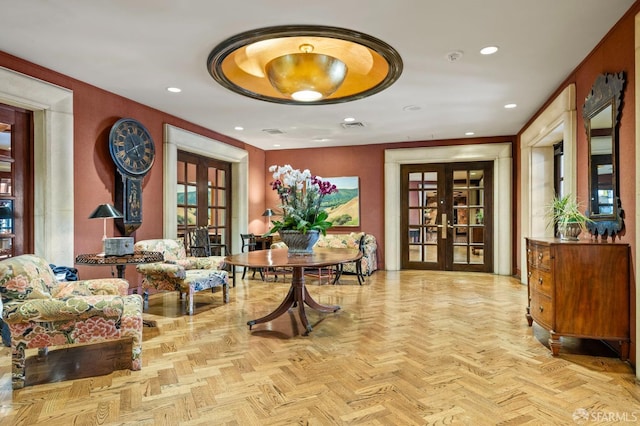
[273,131]
[352,125]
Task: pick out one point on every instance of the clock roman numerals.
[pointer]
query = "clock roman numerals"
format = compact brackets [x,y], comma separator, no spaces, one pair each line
[131,147]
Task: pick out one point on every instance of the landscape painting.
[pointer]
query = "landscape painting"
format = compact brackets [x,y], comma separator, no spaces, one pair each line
[343,206]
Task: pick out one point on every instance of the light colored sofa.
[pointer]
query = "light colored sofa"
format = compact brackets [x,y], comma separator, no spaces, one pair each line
[350,240]
[42,312]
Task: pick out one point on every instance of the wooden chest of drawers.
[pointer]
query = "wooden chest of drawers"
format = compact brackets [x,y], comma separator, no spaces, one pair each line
[579,289]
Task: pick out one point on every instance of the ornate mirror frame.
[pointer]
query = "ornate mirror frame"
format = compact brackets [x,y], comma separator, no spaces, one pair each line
[601,113]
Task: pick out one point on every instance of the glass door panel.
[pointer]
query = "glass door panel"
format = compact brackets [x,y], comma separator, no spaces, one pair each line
[204,198]
[423,218]
[444,209]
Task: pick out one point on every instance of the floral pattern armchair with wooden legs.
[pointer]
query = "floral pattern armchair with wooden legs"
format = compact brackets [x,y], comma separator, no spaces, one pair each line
[42,312]
[179,272]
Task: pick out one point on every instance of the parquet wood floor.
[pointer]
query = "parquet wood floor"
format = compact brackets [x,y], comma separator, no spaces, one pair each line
[407,348]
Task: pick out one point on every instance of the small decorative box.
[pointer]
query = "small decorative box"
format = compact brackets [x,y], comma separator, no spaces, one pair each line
[118,246]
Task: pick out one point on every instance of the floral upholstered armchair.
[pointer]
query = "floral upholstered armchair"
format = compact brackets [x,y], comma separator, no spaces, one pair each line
[42,312]
[179,272]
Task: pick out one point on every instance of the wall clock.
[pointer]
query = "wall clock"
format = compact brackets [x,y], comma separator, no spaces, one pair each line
[133,151]
[131,147]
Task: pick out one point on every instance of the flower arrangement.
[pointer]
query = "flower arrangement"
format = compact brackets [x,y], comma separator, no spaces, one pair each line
[301,195]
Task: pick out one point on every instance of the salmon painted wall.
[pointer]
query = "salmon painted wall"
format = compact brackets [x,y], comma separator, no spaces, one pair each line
[615,53]
[366,162]
[95,111]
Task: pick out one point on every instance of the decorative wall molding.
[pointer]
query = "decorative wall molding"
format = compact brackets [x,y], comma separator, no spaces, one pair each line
[499,153]
[558,122]
[53,152]
[176,139]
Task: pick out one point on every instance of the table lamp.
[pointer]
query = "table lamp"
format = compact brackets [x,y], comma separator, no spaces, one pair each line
[268,213]
[105,211]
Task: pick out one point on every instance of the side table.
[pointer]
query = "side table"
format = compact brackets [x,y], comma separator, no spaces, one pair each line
[120,262]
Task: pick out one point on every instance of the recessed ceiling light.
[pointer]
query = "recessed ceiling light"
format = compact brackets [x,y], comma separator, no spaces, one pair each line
[489,50]
[509,106]
[276,145]
[174,89]
[239,128]
[469,133]
[349,119]
[321,139]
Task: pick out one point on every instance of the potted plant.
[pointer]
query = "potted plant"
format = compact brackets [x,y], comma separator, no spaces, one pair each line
[303,218]
[564,214]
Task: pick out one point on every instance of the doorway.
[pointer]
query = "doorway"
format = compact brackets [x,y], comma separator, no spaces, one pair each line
[204,197]
[16,181]
[446,216]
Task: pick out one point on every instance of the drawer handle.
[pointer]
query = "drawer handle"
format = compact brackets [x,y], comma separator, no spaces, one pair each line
[540,280]
[529,274]
[541,309]
[539,256]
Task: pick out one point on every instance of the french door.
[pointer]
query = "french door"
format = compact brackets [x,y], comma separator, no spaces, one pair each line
[16,181]
[446,216]
[204,197]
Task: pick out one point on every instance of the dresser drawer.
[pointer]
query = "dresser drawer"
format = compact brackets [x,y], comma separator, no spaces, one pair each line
[541,281]
[539,256]
[541,309]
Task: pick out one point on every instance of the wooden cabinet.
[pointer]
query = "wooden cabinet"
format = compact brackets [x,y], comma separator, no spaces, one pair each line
[579,289]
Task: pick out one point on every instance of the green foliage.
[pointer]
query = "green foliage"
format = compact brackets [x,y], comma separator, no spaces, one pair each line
[342,220]
[338,198]
[562,211]
[302,223]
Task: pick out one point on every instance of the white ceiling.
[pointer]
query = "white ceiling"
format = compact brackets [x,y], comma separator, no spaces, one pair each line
[138,48]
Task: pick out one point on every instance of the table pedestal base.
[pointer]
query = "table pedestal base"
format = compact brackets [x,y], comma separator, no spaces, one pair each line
[297,296]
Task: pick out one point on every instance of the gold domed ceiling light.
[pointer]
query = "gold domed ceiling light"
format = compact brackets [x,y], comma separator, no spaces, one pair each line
[306,76]
[304,64]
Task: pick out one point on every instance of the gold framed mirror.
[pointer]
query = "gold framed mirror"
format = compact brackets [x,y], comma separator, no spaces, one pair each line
[601,112]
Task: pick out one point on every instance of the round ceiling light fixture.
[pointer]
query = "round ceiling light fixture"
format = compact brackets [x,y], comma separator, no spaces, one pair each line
[304,64]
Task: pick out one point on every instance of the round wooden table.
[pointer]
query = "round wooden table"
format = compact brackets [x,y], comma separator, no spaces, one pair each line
[297,294]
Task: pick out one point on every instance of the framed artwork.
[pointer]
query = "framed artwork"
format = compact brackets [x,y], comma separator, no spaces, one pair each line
[343,206]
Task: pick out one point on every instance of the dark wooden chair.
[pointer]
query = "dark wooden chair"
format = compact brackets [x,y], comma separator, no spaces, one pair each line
[249,243]
[200,245]
[358,263]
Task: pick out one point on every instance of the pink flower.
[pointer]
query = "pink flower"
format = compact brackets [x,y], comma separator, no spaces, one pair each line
[95,329]
[131,323]
[39,339]
[19,284]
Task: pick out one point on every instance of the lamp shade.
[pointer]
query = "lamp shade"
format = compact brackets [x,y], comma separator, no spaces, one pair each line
[105,211]
[268,212]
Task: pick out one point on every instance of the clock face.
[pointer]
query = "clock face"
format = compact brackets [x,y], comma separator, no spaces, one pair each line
[131,147]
